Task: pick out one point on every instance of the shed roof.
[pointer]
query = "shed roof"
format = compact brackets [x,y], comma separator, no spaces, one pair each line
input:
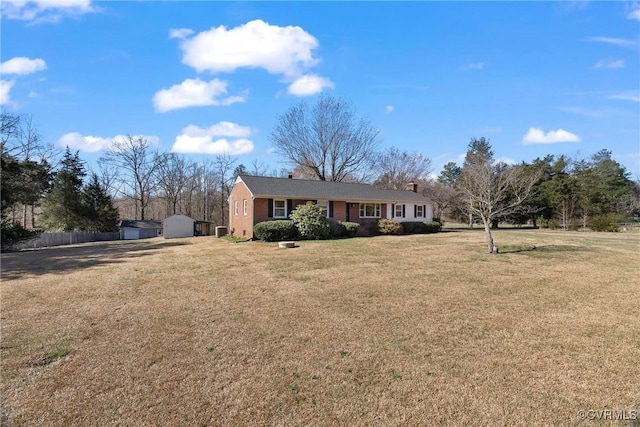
[261,186]
[134,223]
[179,216]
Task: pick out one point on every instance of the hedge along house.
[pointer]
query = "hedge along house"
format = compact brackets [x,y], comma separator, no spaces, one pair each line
[254,199]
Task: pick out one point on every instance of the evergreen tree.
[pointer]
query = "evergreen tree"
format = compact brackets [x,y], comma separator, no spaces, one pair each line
[32,184]
[479,151]
[10,232]
[449,175]
[62,207]
[99,212]
[561,192]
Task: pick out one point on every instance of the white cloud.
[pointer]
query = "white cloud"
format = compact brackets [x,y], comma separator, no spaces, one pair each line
[194,93]
[197,140]
[256,44]
[287,51]
[610,63]
[5,88]
[634,14]
[45,10]
[388,109]
[222,128]
[91,144]
[537,136]
[309,84]
[22,65]
[612,40]
[473,66]
[180,33]
[630,95]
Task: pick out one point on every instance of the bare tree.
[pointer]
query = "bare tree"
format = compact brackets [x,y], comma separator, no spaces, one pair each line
[192,188]
[327,139]
[494,190]
[137,162]
[108,177]
[443,197]
[259,168]
[398,168]
[224,165]
[172,177]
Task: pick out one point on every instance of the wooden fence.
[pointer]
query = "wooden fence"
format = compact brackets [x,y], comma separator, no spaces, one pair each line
[44,240]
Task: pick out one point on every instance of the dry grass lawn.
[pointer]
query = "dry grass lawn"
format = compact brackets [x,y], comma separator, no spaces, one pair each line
[394,330]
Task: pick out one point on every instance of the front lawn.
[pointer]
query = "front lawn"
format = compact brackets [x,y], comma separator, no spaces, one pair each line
[388,330]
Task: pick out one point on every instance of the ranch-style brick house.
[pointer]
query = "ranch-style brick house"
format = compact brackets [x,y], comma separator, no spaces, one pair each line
[254,199]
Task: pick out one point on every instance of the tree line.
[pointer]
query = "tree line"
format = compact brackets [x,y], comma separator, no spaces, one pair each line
[564,193]
[46,188]
[325,141]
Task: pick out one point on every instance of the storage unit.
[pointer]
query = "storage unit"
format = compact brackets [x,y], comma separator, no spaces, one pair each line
[178,226]
[132,229]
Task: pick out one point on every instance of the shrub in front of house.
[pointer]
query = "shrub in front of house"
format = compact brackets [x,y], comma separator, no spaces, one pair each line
[336,229]
[311,221]
[343,228]
[351,228]
[274,231]
[419,227]
[414,227]
[389,226]
[433,226]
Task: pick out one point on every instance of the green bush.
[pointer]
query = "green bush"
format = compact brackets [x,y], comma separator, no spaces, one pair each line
[350,227]
[273,231]
[604,223]
[343,228]
[418,227]
[433,226]
[542,222]
[13,233]
[311,221]
[553,224]
[389,226]
[414,227]
[336,229]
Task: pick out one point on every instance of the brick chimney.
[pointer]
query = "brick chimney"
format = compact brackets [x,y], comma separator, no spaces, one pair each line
[412,186]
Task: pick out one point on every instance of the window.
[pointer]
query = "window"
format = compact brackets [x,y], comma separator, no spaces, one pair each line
[324,206]
[369,210]
[244,206]
[398,211]
[235,207]
[419,211]
[279,208]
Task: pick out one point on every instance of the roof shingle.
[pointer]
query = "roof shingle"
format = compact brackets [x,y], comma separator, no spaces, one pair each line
[261,186]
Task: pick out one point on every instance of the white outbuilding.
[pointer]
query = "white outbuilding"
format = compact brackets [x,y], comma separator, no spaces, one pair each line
[178,226]
[131,229]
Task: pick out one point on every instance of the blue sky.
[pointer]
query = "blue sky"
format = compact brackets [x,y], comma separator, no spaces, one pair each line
[204,77]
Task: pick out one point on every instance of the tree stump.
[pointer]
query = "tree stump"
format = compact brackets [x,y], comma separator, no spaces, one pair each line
[285,245]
